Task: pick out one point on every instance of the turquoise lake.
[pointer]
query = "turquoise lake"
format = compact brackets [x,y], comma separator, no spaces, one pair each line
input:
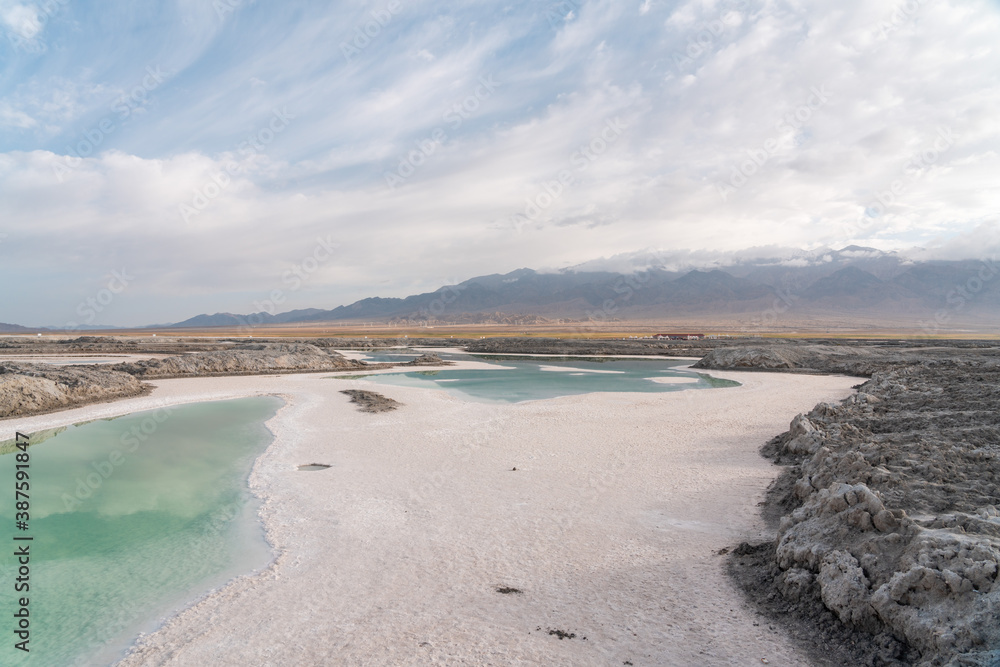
[519,378]
[133,518]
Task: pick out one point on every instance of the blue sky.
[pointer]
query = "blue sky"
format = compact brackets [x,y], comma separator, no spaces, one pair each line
[221,153]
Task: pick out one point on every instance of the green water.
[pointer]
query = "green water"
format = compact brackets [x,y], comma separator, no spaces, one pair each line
[517,378]
[132,519]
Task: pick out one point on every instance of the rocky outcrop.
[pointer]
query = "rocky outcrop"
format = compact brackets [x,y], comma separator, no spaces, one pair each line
[788,356]
[429,359]
[28,389]
[572,346]
[370,401]
[752,358]
[105,345]
[891,519]
[244,359]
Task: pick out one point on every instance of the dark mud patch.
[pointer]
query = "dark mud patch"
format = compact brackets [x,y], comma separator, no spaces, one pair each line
[313,467]
[370,401]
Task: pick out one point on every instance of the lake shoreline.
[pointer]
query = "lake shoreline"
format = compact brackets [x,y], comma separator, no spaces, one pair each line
[397,533]
[143,512]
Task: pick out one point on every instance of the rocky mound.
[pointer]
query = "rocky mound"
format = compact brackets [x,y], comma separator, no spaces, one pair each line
[28,389]
[243,359]
[109,345]
[751,358]
[429,359]
[571,346]
[99,344]
[848,357]
[370,401]
[890,517]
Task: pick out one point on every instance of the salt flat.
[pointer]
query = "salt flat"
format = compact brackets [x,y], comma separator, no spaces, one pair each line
[609,526]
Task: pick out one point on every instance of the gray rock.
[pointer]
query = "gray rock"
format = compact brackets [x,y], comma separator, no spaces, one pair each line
[244,359]
[845,591]
[28,389]
[890,504]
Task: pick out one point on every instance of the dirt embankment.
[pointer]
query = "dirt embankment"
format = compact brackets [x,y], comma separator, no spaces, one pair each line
[428,360]
[244,359]
[853,356]
[106,345]
[848,358]
[30,389]
[888,532]
[571,346]
[387,343]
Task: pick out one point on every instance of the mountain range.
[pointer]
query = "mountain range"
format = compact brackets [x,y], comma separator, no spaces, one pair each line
[853,283]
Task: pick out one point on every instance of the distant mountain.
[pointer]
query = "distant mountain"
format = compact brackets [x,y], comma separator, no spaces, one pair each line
[233,320]
[222,320]
[700,288]
[847,282]
[85,327]
[15,328]
[853,282]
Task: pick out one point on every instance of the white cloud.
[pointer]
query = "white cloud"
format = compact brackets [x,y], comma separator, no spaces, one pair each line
[704,89]
[981,241]
[51,104]
[14,118]
[25,20]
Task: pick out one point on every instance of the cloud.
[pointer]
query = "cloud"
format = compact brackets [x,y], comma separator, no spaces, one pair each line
[14,118]
[979,242]
[743,124]
[24,20]
[51,104]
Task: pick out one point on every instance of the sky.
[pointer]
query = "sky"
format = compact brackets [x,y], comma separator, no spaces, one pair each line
[164,159]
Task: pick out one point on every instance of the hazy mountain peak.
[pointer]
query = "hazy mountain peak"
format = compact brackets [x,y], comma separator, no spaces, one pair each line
[859,280]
